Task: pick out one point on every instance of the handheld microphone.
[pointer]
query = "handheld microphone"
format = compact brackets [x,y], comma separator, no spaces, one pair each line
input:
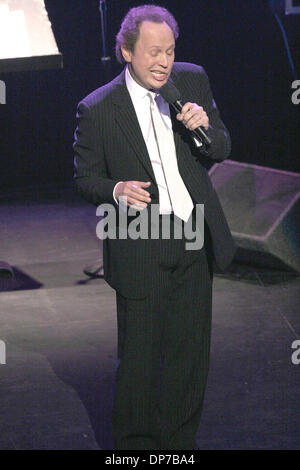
[172,96]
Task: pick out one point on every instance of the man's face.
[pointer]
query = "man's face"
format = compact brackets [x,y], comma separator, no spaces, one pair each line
[152,60]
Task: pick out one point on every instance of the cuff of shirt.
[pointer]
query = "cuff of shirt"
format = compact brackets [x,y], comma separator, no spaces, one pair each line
[114,192]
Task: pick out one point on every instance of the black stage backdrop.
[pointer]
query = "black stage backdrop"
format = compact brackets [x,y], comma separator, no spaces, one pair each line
[238,42]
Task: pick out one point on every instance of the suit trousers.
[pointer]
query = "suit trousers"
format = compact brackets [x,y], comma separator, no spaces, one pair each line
[163,351]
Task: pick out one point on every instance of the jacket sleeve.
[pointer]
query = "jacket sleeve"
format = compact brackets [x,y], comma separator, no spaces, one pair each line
[90,172]
[220,147]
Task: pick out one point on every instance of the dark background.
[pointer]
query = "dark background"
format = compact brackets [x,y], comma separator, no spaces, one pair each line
[238,42]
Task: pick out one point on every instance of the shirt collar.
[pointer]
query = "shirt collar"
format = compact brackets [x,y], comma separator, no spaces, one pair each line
[138,94]
[136,91]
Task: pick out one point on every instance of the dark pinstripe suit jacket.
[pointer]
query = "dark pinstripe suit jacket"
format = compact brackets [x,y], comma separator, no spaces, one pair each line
[109,147]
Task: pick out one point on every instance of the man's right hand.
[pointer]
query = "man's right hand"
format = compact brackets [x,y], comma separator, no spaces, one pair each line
[133,191]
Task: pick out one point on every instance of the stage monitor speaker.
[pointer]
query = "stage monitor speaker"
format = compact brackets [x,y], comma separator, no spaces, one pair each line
[6,271]
[262,209]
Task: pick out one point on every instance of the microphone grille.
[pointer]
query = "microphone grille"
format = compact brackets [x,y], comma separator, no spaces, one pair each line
[169,92]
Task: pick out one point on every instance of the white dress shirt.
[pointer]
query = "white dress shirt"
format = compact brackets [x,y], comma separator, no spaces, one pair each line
[141,103]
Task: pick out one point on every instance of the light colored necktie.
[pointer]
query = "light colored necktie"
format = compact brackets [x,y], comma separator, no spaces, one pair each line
[180,199]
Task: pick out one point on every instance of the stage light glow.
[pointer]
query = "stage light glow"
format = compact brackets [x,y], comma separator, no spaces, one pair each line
[292,7]
[26,38]
[14,41]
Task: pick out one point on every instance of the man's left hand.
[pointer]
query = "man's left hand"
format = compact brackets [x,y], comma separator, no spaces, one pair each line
[193,116]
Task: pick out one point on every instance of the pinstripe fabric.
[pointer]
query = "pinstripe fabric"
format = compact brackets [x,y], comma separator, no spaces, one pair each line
[160,408]
[163,292]
[109,147]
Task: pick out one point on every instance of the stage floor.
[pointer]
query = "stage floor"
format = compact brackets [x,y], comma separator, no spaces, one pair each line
[59,329]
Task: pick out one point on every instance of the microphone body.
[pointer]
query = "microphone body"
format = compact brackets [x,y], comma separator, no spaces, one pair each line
[172,96]
[198,132]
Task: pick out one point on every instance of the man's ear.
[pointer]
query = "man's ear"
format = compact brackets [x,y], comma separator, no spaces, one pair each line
[126,54]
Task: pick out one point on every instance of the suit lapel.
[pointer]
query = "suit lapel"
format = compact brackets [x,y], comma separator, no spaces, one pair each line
[187,164]
[127,121]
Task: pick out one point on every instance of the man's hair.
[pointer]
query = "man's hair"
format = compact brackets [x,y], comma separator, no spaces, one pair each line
[130,27]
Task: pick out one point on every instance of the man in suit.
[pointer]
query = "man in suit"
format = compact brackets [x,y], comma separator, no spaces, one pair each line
[130,148]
